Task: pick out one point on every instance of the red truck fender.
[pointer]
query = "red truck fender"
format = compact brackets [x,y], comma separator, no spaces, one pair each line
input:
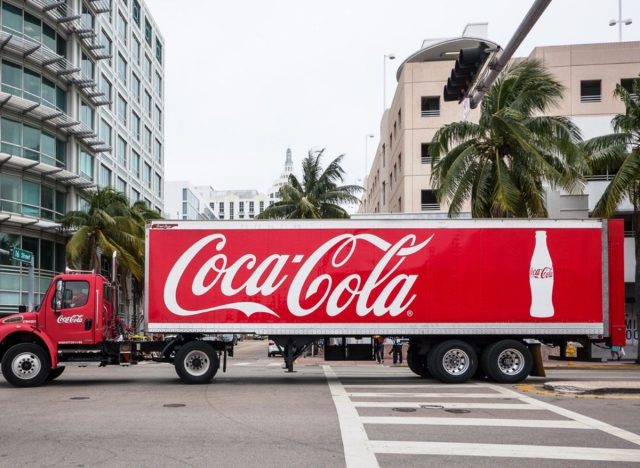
[42,338]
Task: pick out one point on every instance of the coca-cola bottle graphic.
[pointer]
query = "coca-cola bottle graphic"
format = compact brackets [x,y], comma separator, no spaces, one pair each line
[541,278]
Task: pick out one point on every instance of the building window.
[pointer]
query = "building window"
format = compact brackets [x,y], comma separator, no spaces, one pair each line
[430,106]
[147,139]
[425,158]
[146,175]
[135,195]
[122,29]
[87,66]
[147,103]
[135,9]
[105,132]
[400,118]
[136,49]
[104,176]
[261,206]
[428,200]
[590,90]
[241,207]
[148,32]
[157,151]
[108,44]
[30,85]
[158,84]
[158,50]
[627,83]
[86,114]
[105,88]
[147,68]
[135,164]
[221,207]
[135,125]
[384,193]
[158,118]
[121,186]
[31,28]
[121,152]
[121,109]
[158,185]
[86,165]
[122,69]
[135,87]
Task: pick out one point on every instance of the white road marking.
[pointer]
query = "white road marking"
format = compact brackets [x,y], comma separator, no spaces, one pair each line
[497,396]
[494,422]
[506,450]
[411,385]
[238,364]
[275,364]
[446,405]
[596,424]
[358,452]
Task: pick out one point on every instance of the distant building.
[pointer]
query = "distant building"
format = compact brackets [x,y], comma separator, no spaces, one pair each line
[184,201]
[274,193]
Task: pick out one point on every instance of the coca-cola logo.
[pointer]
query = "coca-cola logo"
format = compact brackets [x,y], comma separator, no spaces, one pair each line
[546,272]
[70,318]
[381,290]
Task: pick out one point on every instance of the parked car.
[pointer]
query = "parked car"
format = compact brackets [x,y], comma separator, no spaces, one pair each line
[274,349]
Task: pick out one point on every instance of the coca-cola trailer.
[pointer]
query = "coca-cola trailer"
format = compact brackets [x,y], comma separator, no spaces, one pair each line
[473,297]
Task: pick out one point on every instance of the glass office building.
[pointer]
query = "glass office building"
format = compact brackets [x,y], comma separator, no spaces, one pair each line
[81,107]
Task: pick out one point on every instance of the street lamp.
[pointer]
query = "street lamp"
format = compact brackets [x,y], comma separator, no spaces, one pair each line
[390,56]
[620,21]
[366,167]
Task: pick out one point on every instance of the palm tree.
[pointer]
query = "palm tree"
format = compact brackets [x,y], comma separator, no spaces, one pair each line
[109,225]
[318,195]
[620,153]
[501,162]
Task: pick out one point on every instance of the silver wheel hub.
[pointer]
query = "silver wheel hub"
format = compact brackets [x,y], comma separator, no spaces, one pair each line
[197,362]
[455,361]
[510,361]
[26,366]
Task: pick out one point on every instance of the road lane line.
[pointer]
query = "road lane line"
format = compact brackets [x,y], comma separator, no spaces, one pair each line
[440,404]
[358,452]
[410,385]
[275,364]
[493,422]
[506,450]
[496,396]
[591,422]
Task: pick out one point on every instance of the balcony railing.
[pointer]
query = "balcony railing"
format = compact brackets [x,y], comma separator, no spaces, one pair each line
[425,160]
[431,113]
[591,98]
[600,177]
[430,207]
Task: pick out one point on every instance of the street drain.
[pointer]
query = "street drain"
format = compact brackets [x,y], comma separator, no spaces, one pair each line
[458,411]
[79,398]
[431,406]
[174,405]
[404,410]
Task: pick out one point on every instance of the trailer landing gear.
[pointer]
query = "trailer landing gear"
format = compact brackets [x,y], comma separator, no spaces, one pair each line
[293,346]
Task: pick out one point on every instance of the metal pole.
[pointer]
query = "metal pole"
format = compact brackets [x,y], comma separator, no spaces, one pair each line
[527,23]
[384,83]
[31,293]
[619,20]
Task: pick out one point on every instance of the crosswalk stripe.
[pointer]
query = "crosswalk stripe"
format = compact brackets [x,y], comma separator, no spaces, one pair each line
[493,422]
[496,396]
[275,364]
[506,450]
[446,405]
[411,385]
[238,364]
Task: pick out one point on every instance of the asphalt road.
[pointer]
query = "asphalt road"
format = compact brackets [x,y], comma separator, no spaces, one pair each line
[325,414]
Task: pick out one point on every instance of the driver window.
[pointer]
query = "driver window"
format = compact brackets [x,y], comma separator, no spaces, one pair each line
[76,294]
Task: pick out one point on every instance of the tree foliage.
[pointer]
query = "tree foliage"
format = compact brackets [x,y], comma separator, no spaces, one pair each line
[501,163]
[318,195]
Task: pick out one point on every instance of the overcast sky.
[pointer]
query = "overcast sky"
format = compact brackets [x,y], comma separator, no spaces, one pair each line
[246,79]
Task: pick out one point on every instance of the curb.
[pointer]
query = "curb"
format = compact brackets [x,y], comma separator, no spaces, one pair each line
[581,389]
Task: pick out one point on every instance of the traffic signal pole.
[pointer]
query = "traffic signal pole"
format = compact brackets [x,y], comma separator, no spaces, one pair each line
[527,23]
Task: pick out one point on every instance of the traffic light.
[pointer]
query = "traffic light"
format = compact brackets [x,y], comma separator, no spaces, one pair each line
[464,72]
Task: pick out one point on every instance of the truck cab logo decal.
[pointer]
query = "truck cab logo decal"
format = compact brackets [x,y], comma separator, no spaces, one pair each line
[76,318]
[380,290]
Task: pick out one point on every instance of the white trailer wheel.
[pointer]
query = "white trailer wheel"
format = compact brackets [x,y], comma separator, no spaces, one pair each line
[452,361]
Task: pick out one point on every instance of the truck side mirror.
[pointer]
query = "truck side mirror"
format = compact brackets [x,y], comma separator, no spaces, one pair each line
[57,302]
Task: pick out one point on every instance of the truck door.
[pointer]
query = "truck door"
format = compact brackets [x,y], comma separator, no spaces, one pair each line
[72,316]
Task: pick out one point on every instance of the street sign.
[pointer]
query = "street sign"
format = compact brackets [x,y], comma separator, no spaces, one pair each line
[22,255]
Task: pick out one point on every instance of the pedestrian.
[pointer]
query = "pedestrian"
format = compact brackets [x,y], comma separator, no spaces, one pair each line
[396,349]
[378,348]
[615,353]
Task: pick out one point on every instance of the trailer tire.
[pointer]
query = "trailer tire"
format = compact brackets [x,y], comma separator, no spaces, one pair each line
[196,362]
[452,361]
[55,373]
[417,363]
[507,361]
[26,365]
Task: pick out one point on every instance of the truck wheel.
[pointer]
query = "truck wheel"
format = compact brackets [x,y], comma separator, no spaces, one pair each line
[452,361]
[55,373]
[417,363]
[507,361]
[26,365]
[196,362]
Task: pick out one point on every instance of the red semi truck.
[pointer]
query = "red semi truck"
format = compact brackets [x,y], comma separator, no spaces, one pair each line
[471,296]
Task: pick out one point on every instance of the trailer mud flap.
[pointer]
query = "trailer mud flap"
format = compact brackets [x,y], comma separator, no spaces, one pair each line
[537,370]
